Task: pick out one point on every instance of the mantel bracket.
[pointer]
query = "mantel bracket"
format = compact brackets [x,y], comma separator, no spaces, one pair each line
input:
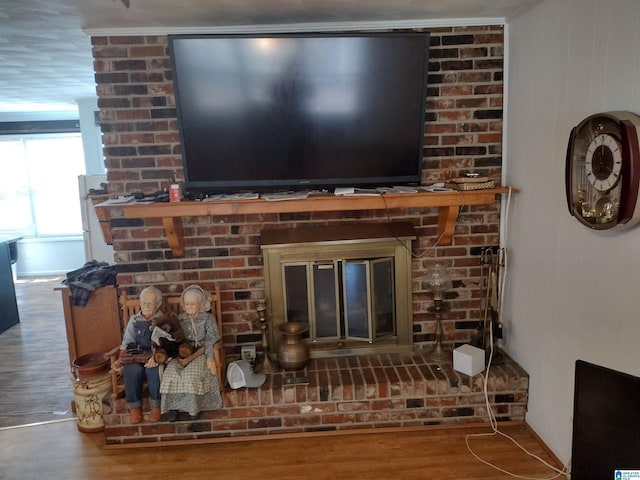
[447,218]
[173,229]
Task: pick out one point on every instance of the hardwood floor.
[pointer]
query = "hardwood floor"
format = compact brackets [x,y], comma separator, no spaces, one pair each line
[36,387]
[34,361]
[429,453]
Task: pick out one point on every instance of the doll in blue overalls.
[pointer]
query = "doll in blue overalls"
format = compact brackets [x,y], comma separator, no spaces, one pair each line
[136,357]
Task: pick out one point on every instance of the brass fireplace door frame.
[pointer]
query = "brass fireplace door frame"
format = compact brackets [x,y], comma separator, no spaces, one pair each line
[397,248]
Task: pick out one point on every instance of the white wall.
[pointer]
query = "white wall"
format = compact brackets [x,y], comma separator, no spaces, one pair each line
[91,136]
[572,292]
[49,256]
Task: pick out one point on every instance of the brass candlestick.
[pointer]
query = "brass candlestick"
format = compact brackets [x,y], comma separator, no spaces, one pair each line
[439,352]
[267,367]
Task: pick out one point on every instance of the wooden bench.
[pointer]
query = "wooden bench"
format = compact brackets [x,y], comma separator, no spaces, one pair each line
[129,306]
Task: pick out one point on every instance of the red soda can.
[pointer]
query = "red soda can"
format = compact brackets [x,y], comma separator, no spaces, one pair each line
[174,193]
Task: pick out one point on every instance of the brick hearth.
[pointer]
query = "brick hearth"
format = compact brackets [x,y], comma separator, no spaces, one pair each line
[360,392]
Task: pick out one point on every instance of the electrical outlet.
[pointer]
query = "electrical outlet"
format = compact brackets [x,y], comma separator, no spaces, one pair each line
[478,251]
[248,353]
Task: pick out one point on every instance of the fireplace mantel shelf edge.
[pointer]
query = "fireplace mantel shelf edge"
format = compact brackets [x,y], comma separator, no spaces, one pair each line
[448,204]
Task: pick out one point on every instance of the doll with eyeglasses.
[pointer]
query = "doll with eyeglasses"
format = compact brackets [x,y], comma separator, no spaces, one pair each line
[135,360]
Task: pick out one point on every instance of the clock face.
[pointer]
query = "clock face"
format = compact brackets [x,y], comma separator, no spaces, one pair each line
[602,173]
[603,162]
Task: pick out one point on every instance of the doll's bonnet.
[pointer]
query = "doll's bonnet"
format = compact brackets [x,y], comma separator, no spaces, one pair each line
[205,298]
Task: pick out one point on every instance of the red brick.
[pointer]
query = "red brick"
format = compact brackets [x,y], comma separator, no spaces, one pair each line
[336,419]
[110,52]
[147,51]
[301,420]
[230,425]
[353,406]
[264,423]
[247,412]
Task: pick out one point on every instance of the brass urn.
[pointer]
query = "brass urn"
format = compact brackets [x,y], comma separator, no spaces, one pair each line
[293,352]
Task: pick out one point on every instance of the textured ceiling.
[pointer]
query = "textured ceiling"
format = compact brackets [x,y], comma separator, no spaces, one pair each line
[45,50]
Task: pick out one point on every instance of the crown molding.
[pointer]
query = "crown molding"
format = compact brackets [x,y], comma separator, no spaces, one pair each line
[296,27]
[522,10]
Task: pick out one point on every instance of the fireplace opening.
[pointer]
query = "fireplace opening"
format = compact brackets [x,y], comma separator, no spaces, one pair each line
[351,285]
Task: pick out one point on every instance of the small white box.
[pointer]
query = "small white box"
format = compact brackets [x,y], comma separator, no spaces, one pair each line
[468,359]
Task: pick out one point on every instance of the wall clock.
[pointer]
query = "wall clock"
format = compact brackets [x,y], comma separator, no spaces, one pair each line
[602,173]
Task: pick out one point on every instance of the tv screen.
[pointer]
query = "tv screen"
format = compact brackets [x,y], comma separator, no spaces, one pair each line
[300,111]
[606,423]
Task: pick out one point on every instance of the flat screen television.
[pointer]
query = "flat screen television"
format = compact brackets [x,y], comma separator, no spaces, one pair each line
[606,423]
[300,111]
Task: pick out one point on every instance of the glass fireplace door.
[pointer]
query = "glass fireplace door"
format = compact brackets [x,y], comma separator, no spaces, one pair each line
[341,299]
[369,303]
[326,302]
[311,296]
[357,300]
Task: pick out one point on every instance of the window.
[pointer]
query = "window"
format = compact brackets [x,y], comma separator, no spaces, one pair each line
[39,194]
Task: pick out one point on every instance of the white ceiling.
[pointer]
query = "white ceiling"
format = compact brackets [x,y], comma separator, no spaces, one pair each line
[45,49]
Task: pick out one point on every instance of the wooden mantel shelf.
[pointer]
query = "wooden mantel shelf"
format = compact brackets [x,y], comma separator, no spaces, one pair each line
[448,203]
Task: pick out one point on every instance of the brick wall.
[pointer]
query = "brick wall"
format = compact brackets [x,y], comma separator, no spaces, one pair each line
[142,151]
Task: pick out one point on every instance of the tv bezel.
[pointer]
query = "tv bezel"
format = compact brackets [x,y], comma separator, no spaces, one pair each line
[593,456]
[197,188]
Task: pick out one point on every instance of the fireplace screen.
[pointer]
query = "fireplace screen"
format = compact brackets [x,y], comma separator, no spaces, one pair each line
[355,293]
[343,299]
